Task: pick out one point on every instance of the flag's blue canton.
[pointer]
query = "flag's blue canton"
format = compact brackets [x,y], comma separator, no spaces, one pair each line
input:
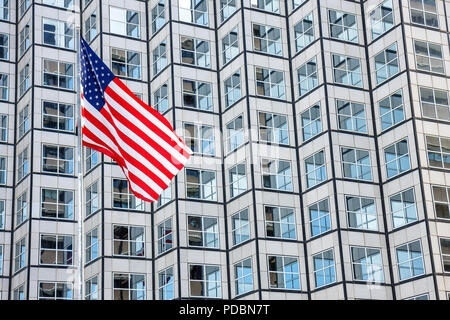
[95,76]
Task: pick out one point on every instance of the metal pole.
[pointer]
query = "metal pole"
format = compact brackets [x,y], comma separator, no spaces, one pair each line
[80,166]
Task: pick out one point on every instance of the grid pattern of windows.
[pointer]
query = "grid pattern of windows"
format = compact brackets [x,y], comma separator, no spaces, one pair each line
[361,213]
[194,11]
[280,222]
[424,12]
[307,76]
[304,32]
[199,138]
[438,149]
[356,164]
[57,116]
[57,159]
[57,204]
[58,74]
[58,33]
[403,208]
[315,169]
[123,197]
[367,264]
[410,260]
[347,70]
[267,39]
[197,95]
[276,174]
[203,232]
[240,227]
[284,272]
[205,281]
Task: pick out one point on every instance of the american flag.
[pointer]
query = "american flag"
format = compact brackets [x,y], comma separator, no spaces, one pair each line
[117,123]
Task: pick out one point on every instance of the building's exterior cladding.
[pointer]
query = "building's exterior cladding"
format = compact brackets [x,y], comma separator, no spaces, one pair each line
[336,99]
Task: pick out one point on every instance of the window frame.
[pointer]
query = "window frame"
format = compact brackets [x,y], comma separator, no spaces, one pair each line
[284,273]
[91,250]
[320,217]
[203,232]
[353,117]
[242,179]
[362,212]
[392,110]
[281,86]
[310,77]
[349,74]
[409,260]
[241,277]
[276,131]
[213,188]
[292,225]
[324,268]
[357,164]
[139,242]
[366,265]
[404,208]
[166,245]
[397,158]
[286,177]
[242,227]
[345,29]
[125,63]
[58,116]
[315,169]
[139,204]
[57,250]
[71,162]
[58,204]
[163,291]
[125,23]
[302,35]
[205,280]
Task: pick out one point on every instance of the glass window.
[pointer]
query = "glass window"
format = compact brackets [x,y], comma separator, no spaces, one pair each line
[237,180]
[126,63]
[267,39]
[25,4]
[311,122]
[280,222]
[441,199]
[235,133]
[161,99]
[201,184]
[19,255]
[445,254]
[203,232]
[165,196]
[396,158]
[1,259]
[24,80]
[367,264]
[92,203]
[91,156]
[227,7]
[283,272]
[243,276]
[386,63]
[438,149]
[403,208]
[4,46]
[266,5]
[2,214]
[56,249]
[159,58]
[91,289]
[315,169]
[57,159]
[343,26]
[199,138]
[307,76]
[57,116]
[166,284]
[269,83]
[347,70]
[324,268]
[3,127]
[429,56]
[298,3]
[55,291]
[195,52]
[273,128]
[424,12]
[230,46]
[165,232]
[410,260]
[232,89]
[19,293]
[57,204]
[24,39]
[419,297]
[434,103]
[4,10]
[128,241]
[128,286]
[22,208]
[91,250]
[124,22]
[2,170]
[24,121]
[67,4]
[319,215]
[356,164]
[204,281]
[240,227]
[382,18]
[123,197]
[304,32]
[58,74]
[276,174]
[58,33]
[197,95]
[90,27]
[391,110]
[362,213]
[194,11]
[22,164]
[158,16]
[3,87]
[351,116]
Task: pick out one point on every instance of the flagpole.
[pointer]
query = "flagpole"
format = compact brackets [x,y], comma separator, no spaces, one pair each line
[80,166]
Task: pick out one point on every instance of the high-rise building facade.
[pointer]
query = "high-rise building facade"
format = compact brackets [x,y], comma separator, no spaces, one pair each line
[321,152]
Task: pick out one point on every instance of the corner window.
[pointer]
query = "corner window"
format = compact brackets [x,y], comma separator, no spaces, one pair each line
[227,7]
[237,180]
[159,58]
[92,203]
[91,289]
[311,122]
[91,251]
[158,16]
[90,27]
[24,80]
[324,268]
[24,39]
[67,4]
[19,255]
[235,133]
[166,284]
[161,99]
[240,227]
[232,89]
[165,241]
[266,5]
[22,164]
[165,196]
[92,158]
[230,46]
[243,276]
[21,208]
